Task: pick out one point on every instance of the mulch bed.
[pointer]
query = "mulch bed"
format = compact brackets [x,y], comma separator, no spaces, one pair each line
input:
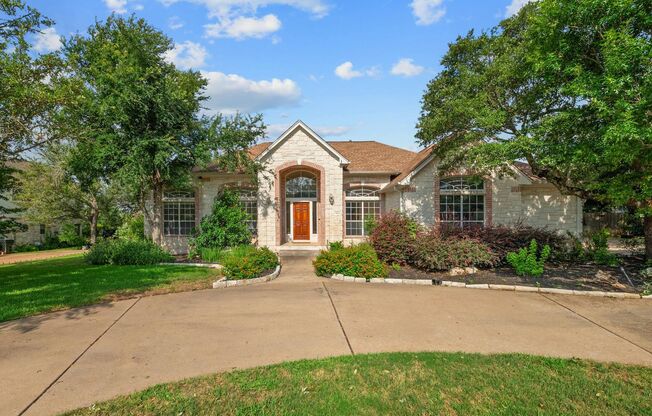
[563,276]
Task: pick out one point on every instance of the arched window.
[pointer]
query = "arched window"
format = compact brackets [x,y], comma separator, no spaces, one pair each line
[362,204]
[178,212]
[461,201]
[301,184]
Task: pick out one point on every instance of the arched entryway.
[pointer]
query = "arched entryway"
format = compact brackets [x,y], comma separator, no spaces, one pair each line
[301,204]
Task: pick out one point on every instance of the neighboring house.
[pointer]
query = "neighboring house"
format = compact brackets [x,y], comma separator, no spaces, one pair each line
[313,192]
[35,234]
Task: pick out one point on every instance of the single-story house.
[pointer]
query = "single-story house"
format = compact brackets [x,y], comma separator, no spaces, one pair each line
[314,191]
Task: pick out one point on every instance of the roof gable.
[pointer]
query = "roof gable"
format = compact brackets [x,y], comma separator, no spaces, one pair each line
[300,125]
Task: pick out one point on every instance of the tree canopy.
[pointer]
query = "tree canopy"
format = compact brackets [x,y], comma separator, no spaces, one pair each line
[564,85]
[141,115]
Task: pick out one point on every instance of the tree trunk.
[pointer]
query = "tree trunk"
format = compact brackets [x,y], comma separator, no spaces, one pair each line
[95,213]
[647,230]
[157,213]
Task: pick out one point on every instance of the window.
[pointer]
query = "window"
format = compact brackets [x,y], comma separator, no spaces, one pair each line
[301,185]
[461,202]
[41,229]
[362,203]
[249,203]
[178,213]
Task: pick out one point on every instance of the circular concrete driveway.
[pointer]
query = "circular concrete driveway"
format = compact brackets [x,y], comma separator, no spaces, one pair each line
[59,361]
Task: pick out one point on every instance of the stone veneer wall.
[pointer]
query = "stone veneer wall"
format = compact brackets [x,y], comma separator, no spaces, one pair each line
[299,149]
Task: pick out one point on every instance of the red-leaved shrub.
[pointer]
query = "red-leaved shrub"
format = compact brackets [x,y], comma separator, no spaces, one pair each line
[504,239]
[433,253]
[393,238]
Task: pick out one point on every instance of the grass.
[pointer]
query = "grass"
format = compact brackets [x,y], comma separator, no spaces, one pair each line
[41,286]
[402,384]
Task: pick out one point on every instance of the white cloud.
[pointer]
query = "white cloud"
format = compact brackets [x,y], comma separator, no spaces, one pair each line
[244,27]
[175,23]
[187,55]
[220,8]
[229,93]
[139,7]
[48,40]
[407,68]
[117,6]
[237,18]
[514,7]
[346,71]
[428,11]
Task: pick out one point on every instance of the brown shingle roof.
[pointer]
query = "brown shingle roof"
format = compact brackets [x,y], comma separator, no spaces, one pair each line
[411,165]
[365,156]
[372,156]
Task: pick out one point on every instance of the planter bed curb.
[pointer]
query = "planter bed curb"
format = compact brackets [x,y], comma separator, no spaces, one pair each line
[511,288]
[222,282]
[209,265]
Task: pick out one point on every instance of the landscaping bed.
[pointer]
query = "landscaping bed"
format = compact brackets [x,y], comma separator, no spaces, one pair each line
[402,384]
[561,276]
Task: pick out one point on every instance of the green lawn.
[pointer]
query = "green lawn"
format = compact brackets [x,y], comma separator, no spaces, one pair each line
[40,286]
[403,384]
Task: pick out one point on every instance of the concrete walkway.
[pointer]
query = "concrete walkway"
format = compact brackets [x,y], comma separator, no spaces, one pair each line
[60,361]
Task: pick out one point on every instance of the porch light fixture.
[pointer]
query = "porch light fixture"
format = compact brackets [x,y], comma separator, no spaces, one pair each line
[331,199]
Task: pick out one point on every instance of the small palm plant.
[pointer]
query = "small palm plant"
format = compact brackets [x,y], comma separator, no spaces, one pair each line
[525,261]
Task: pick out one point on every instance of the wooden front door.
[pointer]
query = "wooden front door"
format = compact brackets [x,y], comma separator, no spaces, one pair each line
[301,216]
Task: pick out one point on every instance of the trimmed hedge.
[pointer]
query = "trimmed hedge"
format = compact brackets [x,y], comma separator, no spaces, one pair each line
[248,262]
[432,253]
[127,252]
[358,261]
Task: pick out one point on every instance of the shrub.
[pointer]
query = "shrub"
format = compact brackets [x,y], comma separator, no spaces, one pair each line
[505,239]
[525,261]
[248,262]
[393,238]
[432,253]
[69,237]
[133,228]
[598,248]
[335,245]
[226,226]
[359,261]
[24,248]
[126,252]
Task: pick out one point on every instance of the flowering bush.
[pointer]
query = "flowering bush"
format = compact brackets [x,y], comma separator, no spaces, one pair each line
[358,261]
[393,238]
[432,253]
[248,262]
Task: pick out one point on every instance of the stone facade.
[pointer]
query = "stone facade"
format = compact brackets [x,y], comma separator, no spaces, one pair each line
[508,199]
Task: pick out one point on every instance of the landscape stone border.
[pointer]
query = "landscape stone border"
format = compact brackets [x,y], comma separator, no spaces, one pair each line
[223,282]
[489,286]
[209,265]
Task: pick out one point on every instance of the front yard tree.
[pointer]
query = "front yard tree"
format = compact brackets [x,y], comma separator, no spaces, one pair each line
[50,192]
[141,113]
[563,85]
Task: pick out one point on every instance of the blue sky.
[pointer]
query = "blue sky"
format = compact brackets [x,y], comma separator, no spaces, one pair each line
[351,69]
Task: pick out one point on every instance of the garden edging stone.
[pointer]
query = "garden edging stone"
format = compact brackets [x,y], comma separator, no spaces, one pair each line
[209,265]
[223,282]
[511,288]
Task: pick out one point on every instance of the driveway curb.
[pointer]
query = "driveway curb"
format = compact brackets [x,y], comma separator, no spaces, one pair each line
[489,286]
